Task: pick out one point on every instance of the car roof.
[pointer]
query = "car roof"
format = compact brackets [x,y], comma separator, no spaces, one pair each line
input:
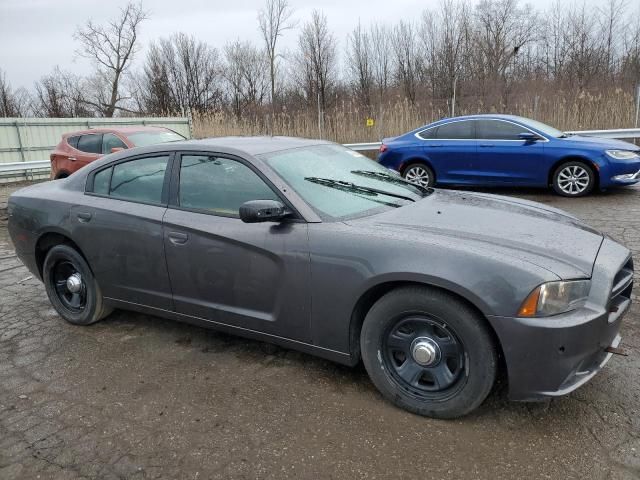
[481,116]
[249,145]
[123,130]
[239,146]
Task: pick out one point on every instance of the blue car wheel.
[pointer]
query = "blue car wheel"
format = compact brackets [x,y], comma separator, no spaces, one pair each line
[573,179]
[420,174]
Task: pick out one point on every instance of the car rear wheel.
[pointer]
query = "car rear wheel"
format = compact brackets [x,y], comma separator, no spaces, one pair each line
[573,179]
[428,352]
[420,174]
[71,286]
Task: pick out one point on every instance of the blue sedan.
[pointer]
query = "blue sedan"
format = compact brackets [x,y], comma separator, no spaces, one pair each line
[505,150]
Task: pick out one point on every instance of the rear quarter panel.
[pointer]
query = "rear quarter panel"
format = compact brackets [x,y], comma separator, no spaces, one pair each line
[36,210]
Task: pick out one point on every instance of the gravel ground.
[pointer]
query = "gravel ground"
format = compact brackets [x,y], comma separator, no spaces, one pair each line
[136,396]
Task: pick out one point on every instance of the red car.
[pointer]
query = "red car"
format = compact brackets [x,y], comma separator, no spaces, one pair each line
[77,149]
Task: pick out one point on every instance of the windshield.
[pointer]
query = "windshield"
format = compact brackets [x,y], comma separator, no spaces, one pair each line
[339,183]
[142,139]
[543,127]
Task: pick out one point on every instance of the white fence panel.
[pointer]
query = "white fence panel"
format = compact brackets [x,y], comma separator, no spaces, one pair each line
[33,139]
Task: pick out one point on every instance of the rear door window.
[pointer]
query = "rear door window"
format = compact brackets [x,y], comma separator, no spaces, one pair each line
[101,181]
[109,141]
[463,130]
[499,130]
[428,133]
[140,180]
[90,143]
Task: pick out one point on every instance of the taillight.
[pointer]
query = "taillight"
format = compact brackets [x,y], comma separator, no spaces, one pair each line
[383,148]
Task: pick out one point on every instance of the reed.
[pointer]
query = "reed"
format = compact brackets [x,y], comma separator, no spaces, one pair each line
[345,122]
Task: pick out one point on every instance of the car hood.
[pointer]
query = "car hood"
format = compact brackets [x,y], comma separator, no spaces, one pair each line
[544,236]
[604,143]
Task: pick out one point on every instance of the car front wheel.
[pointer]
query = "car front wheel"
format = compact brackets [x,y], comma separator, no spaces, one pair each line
[420,174]
[573,179]
[428,352]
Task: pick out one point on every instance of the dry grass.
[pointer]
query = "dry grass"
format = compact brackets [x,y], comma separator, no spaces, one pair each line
[345,122]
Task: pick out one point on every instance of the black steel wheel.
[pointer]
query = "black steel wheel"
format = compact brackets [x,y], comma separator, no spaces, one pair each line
[424,357]
[429,352]
[71,286]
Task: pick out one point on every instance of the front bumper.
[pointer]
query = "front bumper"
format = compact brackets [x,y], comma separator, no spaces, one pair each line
[549,357]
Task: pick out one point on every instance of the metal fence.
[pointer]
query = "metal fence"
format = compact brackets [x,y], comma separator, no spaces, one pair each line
[25,143]
[16,139]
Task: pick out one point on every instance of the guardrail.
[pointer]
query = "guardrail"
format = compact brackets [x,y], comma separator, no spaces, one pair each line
[42,166]
[615,133]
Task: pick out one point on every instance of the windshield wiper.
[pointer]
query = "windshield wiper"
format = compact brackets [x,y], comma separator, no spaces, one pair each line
[352,187]
[387,177]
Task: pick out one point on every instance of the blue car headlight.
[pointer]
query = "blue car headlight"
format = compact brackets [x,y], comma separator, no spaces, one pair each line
[623,154]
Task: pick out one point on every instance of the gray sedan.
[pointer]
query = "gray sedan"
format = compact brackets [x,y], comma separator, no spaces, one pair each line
[312,246]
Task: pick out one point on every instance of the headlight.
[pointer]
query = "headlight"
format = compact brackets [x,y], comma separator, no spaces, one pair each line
[555,297]
[622,154]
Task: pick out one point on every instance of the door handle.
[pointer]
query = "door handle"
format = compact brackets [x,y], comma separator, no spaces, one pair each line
[178,238]
[73,159]
[84,217]
[485,145]
[434,145]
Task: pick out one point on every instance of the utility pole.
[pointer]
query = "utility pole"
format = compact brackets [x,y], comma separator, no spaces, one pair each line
[637,104]
[319,118]
[453,99]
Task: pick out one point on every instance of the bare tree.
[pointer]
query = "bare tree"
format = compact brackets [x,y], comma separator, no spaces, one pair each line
[554,42]
[359,64]
[245,72]
[610,21]
[180,74]
[445,38]
[380,59]
[317,57]
[273,20]
[61,94]
[586,56]
[151,89]
[630,61]
[111,48]
[501,29]
[12,103]
[406,58]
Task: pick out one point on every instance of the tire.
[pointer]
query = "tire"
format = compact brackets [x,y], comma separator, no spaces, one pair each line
[402,324]
[573,179]
[419,173]
[82,307]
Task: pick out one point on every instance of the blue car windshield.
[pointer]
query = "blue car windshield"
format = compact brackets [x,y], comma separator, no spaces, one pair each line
[339,183]
[543,127]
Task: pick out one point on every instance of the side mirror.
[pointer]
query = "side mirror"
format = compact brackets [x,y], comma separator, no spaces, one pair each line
[528,136]
[256,211]
[116,149]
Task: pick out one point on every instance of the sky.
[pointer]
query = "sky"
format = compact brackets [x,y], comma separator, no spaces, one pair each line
[37,35]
